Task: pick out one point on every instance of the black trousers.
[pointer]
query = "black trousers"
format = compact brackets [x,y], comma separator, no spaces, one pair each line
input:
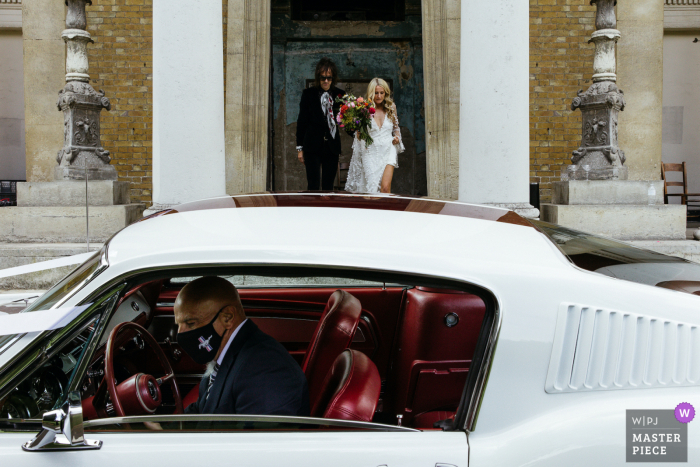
[321,169]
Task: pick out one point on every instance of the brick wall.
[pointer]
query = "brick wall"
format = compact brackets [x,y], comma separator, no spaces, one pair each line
[561,63]
[120,65]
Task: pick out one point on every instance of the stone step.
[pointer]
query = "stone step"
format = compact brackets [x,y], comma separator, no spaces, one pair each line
[20,254]
[72,193]
[61,224]
[578,192]
[623,222]
[686,249]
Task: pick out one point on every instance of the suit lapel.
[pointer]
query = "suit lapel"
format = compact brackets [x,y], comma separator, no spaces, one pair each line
[227,364]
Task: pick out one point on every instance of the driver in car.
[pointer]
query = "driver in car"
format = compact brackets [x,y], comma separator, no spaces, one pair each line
[248,372]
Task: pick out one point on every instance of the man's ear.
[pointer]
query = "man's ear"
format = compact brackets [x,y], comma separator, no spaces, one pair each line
[228,316]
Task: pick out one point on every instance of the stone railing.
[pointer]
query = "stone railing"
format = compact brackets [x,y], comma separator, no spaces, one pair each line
[682,14]
[4,2]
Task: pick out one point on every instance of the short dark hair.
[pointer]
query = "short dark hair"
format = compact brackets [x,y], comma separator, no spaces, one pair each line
[325,64]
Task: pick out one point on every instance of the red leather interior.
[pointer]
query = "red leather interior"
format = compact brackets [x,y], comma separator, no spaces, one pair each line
[191,396]
[351,389]
[432,359]
[427,420]
[333,335]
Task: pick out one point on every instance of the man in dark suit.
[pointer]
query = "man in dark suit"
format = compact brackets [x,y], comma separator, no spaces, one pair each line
[318,135]
[249,372]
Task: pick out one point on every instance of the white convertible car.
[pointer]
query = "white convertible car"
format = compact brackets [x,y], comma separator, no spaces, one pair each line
[480,339]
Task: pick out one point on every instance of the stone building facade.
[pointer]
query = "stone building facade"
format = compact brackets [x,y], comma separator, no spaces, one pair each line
[560,64]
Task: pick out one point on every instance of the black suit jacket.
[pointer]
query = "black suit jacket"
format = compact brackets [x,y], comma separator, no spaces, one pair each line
[257,376]
[312,125]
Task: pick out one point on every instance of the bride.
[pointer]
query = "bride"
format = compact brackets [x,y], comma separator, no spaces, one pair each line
[371,168]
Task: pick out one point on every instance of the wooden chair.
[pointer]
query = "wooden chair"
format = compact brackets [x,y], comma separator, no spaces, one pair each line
[342,176]
[685,196]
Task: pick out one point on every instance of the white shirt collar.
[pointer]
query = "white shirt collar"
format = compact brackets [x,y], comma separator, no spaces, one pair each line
[230,339]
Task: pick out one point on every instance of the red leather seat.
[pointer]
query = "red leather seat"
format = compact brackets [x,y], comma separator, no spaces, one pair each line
[350,390]
[433,358]
[333,335]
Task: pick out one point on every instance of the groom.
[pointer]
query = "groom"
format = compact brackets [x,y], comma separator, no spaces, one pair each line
[318,134]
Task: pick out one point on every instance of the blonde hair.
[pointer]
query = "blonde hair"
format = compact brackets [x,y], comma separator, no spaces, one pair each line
[388,102]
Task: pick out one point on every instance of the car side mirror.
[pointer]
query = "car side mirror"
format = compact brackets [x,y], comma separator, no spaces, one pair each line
[62,429]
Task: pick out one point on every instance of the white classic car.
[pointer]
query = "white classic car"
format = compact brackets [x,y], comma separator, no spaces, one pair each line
[480,339]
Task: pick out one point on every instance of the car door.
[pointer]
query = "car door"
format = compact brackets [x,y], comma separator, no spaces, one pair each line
[251,448]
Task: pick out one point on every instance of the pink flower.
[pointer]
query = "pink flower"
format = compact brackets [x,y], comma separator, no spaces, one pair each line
[359,99]
[352,104]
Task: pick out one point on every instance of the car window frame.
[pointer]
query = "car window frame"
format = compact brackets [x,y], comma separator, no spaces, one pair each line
[48,343]
[474,389]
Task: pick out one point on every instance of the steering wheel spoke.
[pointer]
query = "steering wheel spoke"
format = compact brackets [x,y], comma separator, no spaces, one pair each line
[165,379]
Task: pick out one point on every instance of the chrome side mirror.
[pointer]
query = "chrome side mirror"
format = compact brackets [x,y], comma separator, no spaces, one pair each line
[62,429]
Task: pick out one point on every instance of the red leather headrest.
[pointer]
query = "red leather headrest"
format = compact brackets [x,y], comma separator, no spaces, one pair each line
[333,334]
[350,390]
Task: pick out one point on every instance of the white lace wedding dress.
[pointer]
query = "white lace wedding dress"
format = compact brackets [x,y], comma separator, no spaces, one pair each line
[368,163]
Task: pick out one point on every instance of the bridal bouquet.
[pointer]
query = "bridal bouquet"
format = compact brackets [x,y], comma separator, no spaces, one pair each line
[356,115]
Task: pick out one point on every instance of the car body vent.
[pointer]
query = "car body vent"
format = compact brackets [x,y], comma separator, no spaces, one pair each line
[600,350]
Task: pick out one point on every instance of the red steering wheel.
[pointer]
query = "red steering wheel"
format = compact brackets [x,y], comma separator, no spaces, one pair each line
[139,394]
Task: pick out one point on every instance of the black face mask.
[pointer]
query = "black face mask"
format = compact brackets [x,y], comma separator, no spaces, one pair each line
[201,344]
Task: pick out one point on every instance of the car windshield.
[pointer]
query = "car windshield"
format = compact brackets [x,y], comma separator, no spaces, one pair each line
[623,261]
[69,284]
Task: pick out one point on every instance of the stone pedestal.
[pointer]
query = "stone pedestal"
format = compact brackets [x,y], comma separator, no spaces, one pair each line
[621,209]
[54,212]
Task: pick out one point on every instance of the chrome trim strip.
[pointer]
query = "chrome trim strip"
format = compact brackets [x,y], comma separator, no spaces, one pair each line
[477,395]
[246,418]
[103,265]
[11,342]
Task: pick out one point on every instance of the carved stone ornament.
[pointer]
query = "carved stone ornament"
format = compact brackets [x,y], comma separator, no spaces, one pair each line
[81,106]
[75,15]
[600,106]
[605,14]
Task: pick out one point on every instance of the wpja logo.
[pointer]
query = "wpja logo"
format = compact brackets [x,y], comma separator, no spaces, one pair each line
[659,435]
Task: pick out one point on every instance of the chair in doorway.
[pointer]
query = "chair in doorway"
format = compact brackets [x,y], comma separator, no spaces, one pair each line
[693,204]
[342,176]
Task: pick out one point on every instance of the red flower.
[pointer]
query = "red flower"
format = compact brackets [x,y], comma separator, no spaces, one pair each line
[344,108]
[371,110]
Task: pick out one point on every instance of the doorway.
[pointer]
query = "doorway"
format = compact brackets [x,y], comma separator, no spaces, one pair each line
[365,39]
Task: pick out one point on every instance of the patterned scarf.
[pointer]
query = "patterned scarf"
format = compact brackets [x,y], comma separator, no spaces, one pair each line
[327,106]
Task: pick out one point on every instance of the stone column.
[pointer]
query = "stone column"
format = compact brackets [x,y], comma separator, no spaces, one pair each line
[188,102]
[599,157]
[81,106]
[494,131]
[247,95]
[44,65]
[640,74]
[441,75]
